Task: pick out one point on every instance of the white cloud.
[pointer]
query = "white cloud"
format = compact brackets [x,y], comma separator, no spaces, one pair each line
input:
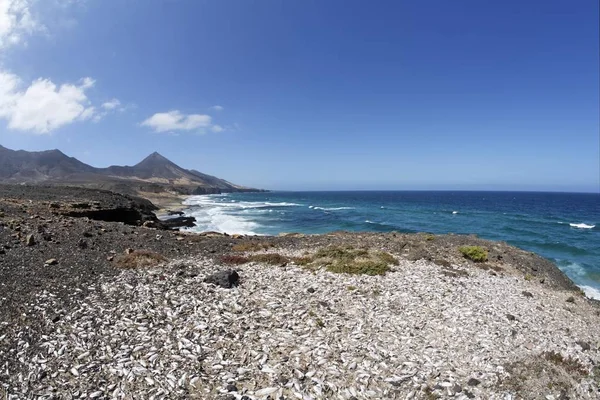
[16,21]
[43,106]
[216,108]
[111,104]
[217,128]
[176,121]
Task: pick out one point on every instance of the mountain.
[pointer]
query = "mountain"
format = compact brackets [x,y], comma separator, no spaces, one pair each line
[35,166]
[153,174]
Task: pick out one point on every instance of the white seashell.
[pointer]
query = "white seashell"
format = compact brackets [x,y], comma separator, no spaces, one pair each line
[265,391]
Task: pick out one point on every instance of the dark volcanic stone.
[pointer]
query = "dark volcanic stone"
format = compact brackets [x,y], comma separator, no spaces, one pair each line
[310,290]
[571,299]
[511,317]
[82,244]
[225,279]
[526,293]
[473,382]
[176,223]
[231,388]
[584,345]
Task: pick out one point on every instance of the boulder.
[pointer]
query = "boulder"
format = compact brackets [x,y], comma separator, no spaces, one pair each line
[226,279]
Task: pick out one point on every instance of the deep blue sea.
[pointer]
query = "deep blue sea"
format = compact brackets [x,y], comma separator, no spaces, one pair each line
[563,227]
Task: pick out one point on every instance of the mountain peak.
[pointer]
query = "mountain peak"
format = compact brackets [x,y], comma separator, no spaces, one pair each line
[155,158]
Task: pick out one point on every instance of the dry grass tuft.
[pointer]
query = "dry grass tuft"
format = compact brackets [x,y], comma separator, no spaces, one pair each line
[233,259]
[269,258]
[140,259]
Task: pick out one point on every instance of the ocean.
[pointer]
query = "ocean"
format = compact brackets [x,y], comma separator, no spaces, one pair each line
[562,227]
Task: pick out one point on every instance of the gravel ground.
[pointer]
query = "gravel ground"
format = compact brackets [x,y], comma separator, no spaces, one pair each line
[286,332]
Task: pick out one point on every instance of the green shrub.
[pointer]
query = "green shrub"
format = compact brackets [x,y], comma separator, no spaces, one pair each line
[474,253]
[368,267]
[348,260]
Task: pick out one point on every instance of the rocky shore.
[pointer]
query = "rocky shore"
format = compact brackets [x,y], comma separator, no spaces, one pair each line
[93,304]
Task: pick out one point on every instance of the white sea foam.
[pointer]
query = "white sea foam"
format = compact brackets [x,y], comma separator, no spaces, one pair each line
[208,201]
[573,269]
[582,226]
[333,208]
[454,212]
[591,292]
[370,222]
[217,219]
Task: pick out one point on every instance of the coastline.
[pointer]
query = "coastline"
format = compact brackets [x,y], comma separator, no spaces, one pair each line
[434,324]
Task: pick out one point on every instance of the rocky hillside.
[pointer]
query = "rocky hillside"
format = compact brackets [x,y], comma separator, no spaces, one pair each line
[154,174]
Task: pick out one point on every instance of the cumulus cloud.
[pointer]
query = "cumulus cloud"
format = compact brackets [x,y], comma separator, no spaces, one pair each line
[16,21]
[176,121]
[43,106]
[216,108]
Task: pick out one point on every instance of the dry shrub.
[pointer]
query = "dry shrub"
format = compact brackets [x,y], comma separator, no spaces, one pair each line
[301,260]
[232,259]
[269,258]
[140,259]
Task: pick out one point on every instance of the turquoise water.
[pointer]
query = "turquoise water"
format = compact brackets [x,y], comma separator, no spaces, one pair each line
[563,227]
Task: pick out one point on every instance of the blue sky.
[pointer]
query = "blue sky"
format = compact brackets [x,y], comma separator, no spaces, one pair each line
[429,94]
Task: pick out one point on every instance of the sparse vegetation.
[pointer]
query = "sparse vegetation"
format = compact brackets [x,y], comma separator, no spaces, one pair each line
[338,259]
[368,267]
[252,246]
[528,277]
[430,237]
[301,260]
[351,288]
[140,259]
[571,365]
[550,370]
[454,272]
[233,259]
[269,258]
[474,253]
[348,260]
